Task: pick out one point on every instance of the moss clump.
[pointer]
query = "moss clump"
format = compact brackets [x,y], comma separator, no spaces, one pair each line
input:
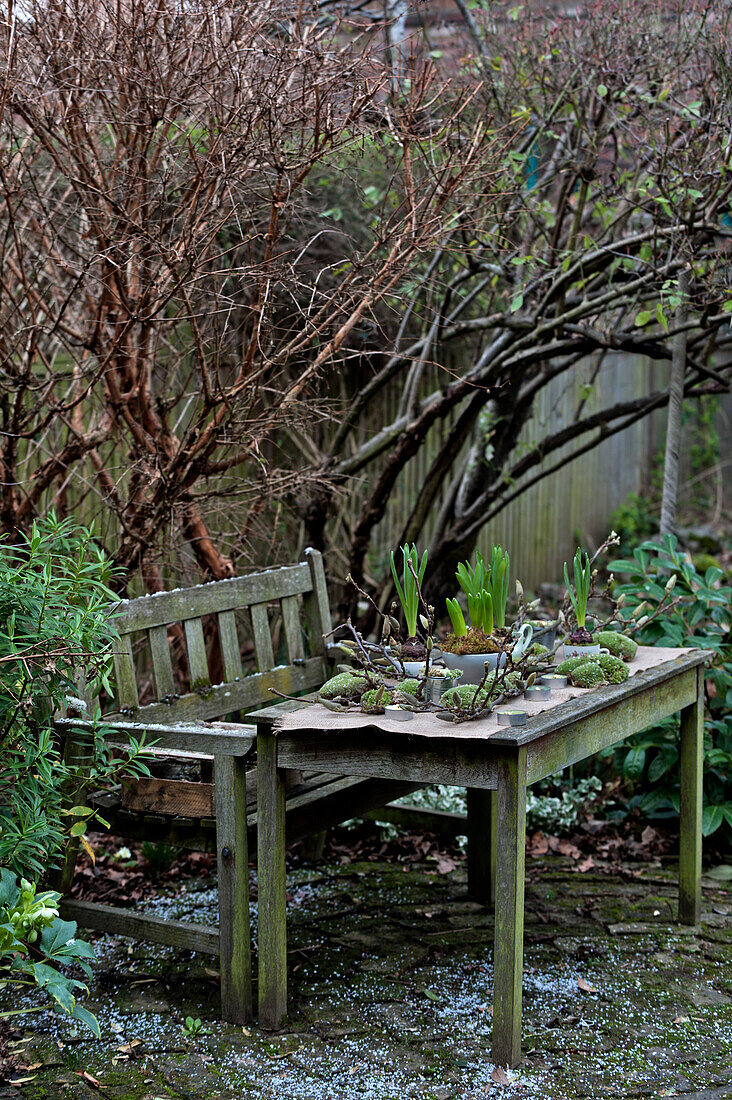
[566,667]
[348,685]
[375,700]
[510,684]
[463,697]
[615,669]
[588,674]
[408,687]
[538,650]
[475,641]
[618,644]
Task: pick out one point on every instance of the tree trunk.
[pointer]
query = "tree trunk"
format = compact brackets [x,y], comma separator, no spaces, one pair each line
[675,408]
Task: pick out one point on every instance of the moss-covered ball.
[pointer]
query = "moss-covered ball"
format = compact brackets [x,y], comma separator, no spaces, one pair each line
[565,667]
[408,687]
[373,702]
[538,650]
[615,669]
[463,695]
[349,685]
[510,684]
[620,645]
[589,674]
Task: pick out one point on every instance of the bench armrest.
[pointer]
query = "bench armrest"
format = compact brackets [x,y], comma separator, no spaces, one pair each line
[213,738]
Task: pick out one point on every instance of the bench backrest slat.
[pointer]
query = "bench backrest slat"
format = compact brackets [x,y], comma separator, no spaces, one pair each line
[182,614]
[124,672]
[229,639]
[262,637]
[162,664]
[292,628]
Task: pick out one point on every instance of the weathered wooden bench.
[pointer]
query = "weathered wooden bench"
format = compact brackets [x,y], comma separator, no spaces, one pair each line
[194,723]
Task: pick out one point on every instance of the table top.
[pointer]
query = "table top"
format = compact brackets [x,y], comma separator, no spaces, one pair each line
[649,670]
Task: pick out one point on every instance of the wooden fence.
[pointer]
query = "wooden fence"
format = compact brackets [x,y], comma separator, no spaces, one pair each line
[542,528]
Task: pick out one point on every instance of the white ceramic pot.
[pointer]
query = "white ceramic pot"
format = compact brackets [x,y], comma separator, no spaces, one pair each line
[472,665]
[580,651]
[413,668]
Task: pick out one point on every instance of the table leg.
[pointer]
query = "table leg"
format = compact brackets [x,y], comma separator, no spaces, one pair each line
[272,933]
[690,825]
[509,922]
[233,873]
[481,844]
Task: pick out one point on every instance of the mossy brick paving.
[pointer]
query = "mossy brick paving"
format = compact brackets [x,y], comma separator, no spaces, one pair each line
[391,973]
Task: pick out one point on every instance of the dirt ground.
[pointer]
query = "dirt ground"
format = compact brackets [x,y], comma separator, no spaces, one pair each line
[391,995]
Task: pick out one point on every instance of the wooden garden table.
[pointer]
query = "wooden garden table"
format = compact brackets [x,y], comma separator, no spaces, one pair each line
[495,764]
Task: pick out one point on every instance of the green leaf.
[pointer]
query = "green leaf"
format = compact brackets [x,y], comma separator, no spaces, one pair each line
[57,935]
[722,873]
[658,767]
[712,818]
[431,995]
[78,828]
[9,888]
[643,318]
[602,90]
[86,1017]
[516,302]
[634,763]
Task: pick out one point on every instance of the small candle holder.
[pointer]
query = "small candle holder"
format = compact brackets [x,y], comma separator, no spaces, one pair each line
[537,694]
[511,716]
[554,680]
[398,713]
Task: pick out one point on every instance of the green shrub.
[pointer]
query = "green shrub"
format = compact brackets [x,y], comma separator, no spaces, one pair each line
[700,616]
[56,633]
[56,630]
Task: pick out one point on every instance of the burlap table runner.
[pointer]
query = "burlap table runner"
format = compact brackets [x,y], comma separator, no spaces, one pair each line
[316,716]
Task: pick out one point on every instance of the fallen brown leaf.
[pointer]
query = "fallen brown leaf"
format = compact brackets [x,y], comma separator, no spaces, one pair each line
[566,848]
[585,986]
[538,845]
[500,1076]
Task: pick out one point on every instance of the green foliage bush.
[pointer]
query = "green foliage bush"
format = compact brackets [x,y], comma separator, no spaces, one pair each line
[35,942]
[56,636]
[699,616]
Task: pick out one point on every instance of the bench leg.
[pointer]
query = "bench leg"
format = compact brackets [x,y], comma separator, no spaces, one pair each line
[232,855]
[509,923]
[481,845]
[690,825]
[271,885]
